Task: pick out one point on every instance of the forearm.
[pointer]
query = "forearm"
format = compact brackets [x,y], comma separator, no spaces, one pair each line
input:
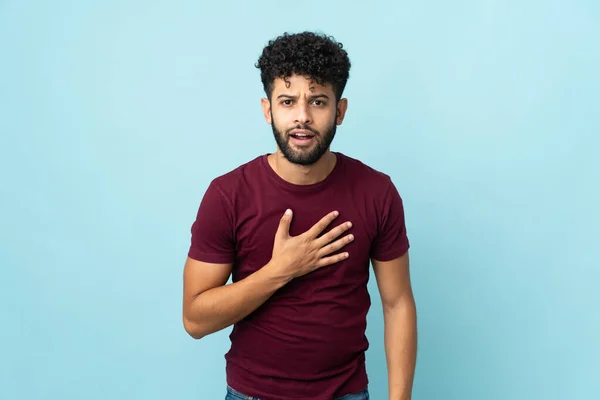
[223,306]
[401,347]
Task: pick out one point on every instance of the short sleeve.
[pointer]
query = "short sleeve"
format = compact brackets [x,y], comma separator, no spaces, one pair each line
[212,238]
[391,241]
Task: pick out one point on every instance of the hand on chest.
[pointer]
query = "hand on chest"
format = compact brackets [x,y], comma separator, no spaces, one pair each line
[255,234]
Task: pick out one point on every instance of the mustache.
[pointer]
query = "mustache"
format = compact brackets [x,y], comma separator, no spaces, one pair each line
[303,127]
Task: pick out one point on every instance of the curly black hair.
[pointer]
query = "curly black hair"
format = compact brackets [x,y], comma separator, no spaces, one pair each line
[310,54]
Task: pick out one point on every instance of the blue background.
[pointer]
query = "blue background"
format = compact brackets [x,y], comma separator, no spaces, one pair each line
[115,116]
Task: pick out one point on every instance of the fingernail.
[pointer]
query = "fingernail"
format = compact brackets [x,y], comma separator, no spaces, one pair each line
[288,212]
[335,213]
[349,224]
[351,237]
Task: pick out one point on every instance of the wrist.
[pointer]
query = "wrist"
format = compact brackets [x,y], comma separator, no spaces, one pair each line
[274,273]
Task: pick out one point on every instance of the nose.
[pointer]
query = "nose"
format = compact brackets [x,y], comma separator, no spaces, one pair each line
[303,114]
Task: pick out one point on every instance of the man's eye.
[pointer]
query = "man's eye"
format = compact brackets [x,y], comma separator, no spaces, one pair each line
[286,102]
[318,103]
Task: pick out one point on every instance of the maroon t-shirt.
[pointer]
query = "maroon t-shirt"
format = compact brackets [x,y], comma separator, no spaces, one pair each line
[307,341]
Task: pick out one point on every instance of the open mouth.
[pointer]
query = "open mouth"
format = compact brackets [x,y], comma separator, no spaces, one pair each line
[302,139]
[302,136]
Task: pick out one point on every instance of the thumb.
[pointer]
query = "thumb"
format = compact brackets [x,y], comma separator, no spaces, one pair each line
[283,230]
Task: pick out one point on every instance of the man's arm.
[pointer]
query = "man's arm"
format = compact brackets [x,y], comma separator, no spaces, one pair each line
[400,319]
[209,305]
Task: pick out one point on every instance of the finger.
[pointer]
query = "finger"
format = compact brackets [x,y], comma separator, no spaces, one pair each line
[322,224]
[332,234]
[323,262]
[335,246]
[283,230]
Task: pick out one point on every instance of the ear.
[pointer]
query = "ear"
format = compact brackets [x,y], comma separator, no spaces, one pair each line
[342,106]
[266,108]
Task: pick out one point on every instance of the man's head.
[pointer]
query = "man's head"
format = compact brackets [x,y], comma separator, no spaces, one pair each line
[304,76]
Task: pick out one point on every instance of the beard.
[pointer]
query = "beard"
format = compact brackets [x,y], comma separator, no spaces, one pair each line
[303,156]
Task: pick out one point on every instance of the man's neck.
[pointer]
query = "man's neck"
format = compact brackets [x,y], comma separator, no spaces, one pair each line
[302,174]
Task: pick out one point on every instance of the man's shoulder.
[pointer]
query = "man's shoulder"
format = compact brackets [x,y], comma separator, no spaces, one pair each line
[365,174]
[233,179]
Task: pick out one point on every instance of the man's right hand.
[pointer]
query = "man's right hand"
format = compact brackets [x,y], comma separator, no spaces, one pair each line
[295,256]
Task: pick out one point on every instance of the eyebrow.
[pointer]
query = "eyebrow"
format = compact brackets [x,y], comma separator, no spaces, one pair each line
[312,97]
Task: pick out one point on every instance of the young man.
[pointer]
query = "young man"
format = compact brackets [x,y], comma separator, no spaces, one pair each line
[297,229]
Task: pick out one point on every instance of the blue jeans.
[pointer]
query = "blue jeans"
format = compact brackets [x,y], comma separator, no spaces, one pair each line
[233,394]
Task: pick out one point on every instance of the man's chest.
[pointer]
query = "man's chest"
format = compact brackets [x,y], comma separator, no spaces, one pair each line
[257,224]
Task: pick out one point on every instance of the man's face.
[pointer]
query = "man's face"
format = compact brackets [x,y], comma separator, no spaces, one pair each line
[303,116]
